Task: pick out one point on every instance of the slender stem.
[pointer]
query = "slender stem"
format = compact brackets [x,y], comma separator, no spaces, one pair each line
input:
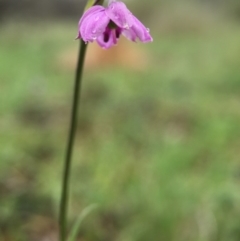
[67,164]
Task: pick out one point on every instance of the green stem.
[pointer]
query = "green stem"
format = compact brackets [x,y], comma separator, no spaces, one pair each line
[68,157]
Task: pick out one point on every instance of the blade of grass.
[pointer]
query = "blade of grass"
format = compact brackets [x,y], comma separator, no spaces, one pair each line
[74,231]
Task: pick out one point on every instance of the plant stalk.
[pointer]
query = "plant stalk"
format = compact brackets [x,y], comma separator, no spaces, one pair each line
[71,136]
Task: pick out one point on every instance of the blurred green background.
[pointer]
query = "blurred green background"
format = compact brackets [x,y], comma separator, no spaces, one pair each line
[158,142]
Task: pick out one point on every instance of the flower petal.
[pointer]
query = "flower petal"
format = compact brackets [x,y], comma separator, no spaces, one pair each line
[93,23]
[90,11]
[119,14]
[141,31]
[107,39]
[129,34]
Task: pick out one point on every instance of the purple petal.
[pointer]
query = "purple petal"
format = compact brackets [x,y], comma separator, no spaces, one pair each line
[93,23]
[129,34]
[90,11]
[108,39]
[119,14]
[138,30]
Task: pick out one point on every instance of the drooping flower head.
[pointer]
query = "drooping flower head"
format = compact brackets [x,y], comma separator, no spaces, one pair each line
[106,25]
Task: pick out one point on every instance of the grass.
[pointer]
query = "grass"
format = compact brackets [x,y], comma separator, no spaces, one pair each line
[157,149]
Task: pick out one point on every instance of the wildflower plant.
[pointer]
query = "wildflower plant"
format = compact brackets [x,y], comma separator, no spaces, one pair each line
[104,25]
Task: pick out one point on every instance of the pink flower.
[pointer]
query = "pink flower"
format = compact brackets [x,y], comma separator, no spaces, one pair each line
[105,25]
